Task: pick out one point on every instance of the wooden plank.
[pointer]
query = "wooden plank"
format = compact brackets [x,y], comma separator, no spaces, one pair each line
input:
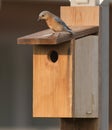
[86,79]
[80,15]
[79,124]
[52,82]
[45,37]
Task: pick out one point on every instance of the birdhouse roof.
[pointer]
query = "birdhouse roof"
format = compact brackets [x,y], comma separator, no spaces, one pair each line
[46,37]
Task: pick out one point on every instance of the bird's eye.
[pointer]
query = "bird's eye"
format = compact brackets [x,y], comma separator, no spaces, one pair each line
[43,15]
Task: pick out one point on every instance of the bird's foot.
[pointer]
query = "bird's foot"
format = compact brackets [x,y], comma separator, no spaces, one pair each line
[52,32]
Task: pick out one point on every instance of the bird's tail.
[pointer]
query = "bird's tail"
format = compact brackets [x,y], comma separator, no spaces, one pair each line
[71,33]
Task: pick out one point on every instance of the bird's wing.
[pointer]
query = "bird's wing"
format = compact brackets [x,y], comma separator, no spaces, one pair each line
[66,28]
[61,22]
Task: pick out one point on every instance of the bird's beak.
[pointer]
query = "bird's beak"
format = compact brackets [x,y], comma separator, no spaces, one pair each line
[38,19]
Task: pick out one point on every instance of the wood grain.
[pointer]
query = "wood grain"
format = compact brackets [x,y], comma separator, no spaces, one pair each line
[86,77]
[80,15]
[52,82]
[43,37]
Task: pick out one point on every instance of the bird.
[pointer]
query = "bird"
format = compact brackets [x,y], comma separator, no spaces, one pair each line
[54,22]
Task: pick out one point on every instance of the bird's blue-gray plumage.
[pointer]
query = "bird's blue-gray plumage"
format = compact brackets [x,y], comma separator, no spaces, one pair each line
[66,28]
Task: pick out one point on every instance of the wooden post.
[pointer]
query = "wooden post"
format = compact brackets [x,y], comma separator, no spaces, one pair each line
[84,17]
[79,124]
[80,15]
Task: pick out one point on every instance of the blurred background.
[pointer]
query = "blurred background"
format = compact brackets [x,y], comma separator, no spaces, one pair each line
[19,18]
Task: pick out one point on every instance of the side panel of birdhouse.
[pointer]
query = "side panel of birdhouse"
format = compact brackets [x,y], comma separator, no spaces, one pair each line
[86,79]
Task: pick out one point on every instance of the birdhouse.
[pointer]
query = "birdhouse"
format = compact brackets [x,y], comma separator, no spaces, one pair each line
[66,69]
[65,74]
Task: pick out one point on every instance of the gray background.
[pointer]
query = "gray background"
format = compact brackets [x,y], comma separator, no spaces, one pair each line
[18,18]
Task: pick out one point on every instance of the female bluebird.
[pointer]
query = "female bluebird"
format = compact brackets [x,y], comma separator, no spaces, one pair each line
[54,22]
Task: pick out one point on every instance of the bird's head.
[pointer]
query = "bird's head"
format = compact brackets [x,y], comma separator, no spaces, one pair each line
[44,15]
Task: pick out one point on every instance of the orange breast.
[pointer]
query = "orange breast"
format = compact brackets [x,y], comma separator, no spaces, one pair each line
[52,24]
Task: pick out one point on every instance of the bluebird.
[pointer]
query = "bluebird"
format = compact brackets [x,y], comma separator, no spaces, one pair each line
[54,22]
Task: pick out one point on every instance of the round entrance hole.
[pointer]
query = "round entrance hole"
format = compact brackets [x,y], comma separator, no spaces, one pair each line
[53,56]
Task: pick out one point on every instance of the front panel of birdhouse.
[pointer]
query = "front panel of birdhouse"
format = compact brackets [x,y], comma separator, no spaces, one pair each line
[52,80]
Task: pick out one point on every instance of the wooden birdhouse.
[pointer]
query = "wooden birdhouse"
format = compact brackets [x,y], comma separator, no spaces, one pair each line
[66,68]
